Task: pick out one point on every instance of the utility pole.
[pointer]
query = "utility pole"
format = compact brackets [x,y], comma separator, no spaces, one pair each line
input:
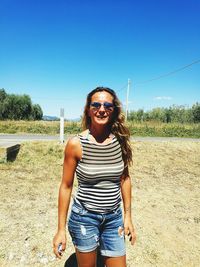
[62,125]
[127,97]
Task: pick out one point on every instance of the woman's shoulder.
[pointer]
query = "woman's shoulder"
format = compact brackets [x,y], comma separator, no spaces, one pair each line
[84,134]
[74,141]
[73,147]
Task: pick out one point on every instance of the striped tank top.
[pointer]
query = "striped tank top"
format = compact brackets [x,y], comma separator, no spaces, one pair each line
[99,174]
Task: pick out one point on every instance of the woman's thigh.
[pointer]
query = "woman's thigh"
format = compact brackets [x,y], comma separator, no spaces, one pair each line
[112,242]
[83,228]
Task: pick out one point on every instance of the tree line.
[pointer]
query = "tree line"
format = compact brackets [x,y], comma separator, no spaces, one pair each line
[18,107]
[174,113]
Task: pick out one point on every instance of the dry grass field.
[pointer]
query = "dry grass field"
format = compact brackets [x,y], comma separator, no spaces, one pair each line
[166,201]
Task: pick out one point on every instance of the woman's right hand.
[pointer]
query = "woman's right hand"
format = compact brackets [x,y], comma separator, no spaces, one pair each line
[59,238]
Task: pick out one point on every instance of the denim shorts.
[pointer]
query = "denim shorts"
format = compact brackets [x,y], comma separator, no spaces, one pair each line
[90,230]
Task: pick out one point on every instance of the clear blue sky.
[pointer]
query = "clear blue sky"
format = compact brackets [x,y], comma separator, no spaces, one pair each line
[57,51]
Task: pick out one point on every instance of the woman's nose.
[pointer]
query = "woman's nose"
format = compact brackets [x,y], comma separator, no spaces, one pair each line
[102,108]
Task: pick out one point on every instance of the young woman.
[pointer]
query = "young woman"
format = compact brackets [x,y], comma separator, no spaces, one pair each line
[99,156]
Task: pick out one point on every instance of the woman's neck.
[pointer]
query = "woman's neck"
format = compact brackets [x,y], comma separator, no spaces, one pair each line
[100,134]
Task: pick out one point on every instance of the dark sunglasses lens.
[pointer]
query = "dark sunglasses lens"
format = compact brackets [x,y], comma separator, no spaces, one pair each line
[96,104]
[108,105]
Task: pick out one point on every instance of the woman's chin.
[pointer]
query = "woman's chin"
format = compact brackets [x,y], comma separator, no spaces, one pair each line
[101,120]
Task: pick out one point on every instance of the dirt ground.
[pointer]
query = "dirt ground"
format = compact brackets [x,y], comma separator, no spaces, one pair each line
[166,201]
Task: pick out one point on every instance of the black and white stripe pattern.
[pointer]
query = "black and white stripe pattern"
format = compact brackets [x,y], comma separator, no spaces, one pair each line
[98,173]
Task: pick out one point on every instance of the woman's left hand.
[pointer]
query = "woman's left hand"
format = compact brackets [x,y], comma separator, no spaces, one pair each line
[129,230]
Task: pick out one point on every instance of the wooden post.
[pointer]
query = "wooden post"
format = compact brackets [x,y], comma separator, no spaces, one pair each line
[62,125]
[127,99]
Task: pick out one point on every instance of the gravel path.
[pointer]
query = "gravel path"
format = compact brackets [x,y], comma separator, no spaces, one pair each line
[42,137]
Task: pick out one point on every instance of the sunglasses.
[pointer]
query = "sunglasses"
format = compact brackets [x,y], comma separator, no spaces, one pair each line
[107,105]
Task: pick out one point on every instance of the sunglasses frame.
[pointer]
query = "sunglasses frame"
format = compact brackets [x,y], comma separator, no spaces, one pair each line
[107,105]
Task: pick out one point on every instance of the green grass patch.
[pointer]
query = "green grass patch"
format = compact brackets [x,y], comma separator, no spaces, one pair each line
[136,129]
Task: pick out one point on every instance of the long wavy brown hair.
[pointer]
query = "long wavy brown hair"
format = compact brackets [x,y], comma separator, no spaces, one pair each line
[117,123]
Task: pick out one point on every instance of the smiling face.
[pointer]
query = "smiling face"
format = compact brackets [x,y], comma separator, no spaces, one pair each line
[101,115]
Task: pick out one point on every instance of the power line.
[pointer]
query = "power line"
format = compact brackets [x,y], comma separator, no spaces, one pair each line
[123,87]
[170,73]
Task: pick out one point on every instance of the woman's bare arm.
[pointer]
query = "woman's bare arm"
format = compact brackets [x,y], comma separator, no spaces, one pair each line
[71,156]
[126,196]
